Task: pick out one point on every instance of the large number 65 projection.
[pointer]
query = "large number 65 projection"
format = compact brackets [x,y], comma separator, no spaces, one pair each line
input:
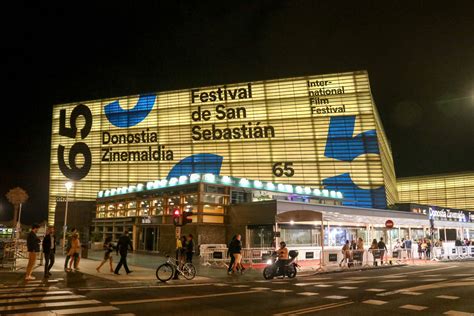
[72,171]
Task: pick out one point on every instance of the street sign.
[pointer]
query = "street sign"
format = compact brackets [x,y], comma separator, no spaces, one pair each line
[389,223]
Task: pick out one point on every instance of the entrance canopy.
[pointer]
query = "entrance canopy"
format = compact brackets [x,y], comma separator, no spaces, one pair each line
[296,212]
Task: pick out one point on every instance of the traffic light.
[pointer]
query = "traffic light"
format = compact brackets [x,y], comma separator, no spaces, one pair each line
[177,217]
[186,218]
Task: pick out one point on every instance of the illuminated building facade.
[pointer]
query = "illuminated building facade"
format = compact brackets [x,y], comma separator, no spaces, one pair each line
[455,190]
[319,131]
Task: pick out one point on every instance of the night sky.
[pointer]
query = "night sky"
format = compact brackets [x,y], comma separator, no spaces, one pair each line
[420,60]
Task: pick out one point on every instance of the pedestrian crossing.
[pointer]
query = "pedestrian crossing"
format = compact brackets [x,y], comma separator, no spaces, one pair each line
[38,298]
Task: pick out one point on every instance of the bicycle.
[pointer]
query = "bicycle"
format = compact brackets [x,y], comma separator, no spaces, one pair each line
[168,269]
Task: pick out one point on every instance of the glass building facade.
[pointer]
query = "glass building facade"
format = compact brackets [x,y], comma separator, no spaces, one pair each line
[319,131]
[454,190]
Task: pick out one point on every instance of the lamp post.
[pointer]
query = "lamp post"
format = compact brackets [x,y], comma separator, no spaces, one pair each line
[68,186]
[18,225]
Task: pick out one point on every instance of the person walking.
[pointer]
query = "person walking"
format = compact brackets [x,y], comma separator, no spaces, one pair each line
[231,254]
[108,248]
[122,246]
[374,249]
[68,247]
[189,248]
[74,252]
[345,253]
[49,250]
[382,248]
[33,245]
[236,252]
[408,244]
[359,253]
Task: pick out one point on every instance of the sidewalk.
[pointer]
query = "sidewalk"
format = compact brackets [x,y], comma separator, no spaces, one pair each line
[144,268]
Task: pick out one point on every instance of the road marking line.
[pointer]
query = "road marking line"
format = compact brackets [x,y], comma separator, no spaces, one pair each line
[387,293]
[35,294]
[221,284]
[348,287]
[126,314]
[375,290]
[240,285]
[42,298]
[71,311]
[374,302]
[260,288]
[438,285]
[306,284]
[170,299]
[49,304]
[350,282]
[393,281]
[164,286]
[308,293]
[410,293]
[313,309]
[418,271]
[30,290]
[414,307]
[448,297]
[323,285]
[336,297]
[462,275]
[431,280]
[282,291]
[457,313]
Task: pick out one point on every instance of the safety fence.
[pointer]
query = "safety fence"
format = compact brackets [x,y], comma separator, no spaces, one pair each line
[11,251]
[452,253]
[217,255]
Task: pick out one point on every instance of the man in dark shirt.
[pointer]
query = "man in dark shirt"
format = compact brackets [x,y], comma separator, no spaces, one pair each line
[122,246]
[382,248]
[189,248]
[49,250]
[33,245]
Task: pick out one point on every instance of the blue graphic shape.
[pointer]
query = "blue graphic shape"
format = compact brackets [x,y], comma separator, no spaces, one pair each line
[342,146]
[198,163]
[355,196]
[128,118]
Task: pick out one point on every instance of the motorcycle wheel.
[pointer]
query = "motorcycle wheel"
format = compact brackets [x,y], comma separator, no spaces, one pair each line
[291,272]
[268,273]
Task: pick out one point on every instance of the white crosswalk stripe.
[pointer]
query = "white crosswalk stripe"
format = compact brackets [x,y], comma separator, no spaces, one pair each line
[375,302]
[448,297]
[414,307]
[45,301]
[336,297]
[308,293]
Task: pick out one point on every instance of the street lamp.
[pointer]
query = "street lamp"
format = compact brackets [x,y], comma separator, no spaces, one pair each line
[68,186]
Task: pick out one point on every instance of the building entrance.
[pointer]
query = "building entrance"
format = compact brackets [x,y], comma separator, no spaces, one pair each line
[149,238]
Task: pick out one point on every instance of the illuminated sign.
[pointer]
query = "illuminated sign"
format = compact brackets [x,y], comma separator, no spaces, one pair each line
[316,131]
[444,214]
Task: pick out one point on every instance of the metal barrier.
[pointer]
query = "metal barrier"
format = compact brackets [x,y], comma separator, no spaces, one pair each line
[8,254]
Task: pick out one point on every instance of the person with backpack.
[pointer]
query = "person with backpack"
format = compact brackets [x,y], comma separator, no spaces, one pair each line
[382,248]
[345,253]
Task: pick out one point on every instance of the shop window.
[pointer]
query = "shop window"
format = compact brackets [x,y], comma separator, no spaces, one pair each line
[121,213]
[132,204]
[260,236]
[132,213]
[110,207]
[213,209]
[239,197]
[173,201]
[120,206]
[190,199]
[190,208]
[211,219]
[101,215]
[101,208]
[296,236]
[214,198]
[110,214]
[215,189]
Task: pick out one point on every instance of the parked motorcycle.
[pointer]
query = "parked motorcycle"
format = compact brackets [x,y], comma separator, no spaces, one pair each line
[273,268]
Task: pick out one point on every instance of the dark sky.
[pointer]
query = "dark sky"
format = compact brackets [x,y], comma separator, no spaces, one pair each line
[420,59]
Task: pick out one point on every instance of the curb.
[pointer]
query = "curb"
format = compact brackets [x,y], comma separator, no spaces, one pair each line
[361,269]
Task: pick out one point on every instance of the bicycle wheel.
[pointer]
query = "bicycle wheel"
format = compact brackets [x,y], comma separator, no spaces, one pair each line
[165,272]
[188,271]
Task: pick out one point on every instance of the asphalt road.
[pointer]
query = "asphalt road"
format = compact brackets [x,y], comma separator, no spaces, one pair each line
[437,289]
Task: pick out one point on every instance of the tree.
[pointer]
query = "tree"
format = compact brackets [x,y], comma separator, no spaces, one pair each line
[16,197]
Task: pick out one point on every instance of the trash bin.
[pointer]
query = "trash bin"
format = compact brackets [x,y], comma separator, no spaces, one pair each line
[85,251]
